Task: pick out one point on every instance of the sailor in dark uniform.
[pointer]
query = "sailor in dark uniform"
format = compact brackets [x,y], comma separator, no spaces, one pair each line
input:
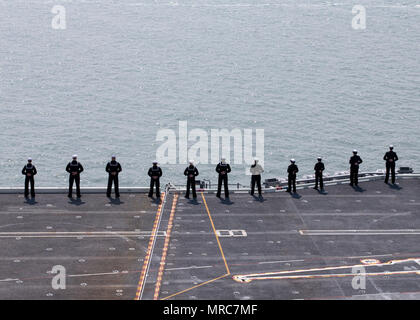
[113,168]
[319,169]
[292,170]
[29,171]
[354,162]
[390,158]
[74,168]
[155,172]
[223,169]
[191,172]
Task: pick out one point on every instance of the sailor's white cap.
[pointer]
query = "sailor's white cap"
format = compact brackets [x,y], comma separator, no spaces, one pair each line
[191,161]
[223,159]
[113,156]
[154,162]
[391,146]
[319,158]
[292,160]
[354,151]
[29,159]
[74,156]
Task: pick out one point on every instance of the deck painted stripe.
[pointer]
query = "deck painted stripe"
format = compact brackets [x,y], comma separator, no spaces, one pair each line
[371,256]
[165,248]
[109,234]
[332,275]
[215,233]
[189,268]
[372,232]
[152,241]
[308,273]
[284,261]
[198,285]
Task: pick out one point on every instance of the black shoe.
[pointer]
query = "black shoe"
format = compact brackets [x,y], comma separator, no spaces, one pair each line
[69,196]
[150,196]
[117,196]
[108,195]
[316,188]
[351,184]
[218,195]
[186,197]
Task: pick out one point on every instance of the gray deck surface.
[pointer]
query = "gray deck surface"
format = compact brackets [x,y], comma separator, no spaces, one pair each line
[307,236]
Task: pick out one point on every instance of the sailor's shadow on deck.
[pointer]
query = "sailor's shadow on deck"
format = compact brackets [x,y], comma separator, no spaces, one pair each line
[31,201]
[259,198]
[194,202]
[394,186]
[322,192]
[115,201]
[226,201]
[155,200]
[358,189]
[76,202]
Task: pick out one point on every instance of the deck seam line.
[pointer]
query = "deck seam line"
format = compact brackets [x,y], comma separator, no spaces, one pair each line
[165,248]
[150,248]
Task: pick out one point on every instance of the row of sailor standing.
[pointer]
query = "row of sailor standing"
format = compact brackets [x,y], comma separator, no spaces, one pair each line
[113,168]
[222,168]
[355,161]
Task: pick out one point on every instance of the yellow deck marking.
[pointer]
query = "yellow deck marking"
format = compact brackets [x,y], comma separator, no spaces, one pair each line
[215,233]
[221,251]
[198,285]
[165,248]
[149,249]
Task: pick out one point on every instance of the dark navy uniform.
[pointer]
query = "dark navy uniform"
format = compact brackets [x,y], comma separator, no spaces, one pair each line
[390,157]
[256,180]
[74,168]
[354,162]
[191,172]
[113,168]
[155,173]
[256,171]
[29,171]
[319,169]
[292,170]
[223,169]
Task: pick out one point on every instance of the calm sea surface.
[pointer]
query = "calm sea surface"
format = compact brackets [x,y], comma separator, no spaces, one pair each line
[122,70]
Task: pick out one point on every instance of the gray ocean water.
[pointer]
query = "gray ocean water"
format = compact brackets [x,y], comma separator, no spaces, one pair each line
[122,70]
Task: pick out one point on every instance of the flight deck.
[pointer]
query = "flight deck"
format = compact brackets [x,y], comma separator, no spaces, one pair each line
[310,245]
